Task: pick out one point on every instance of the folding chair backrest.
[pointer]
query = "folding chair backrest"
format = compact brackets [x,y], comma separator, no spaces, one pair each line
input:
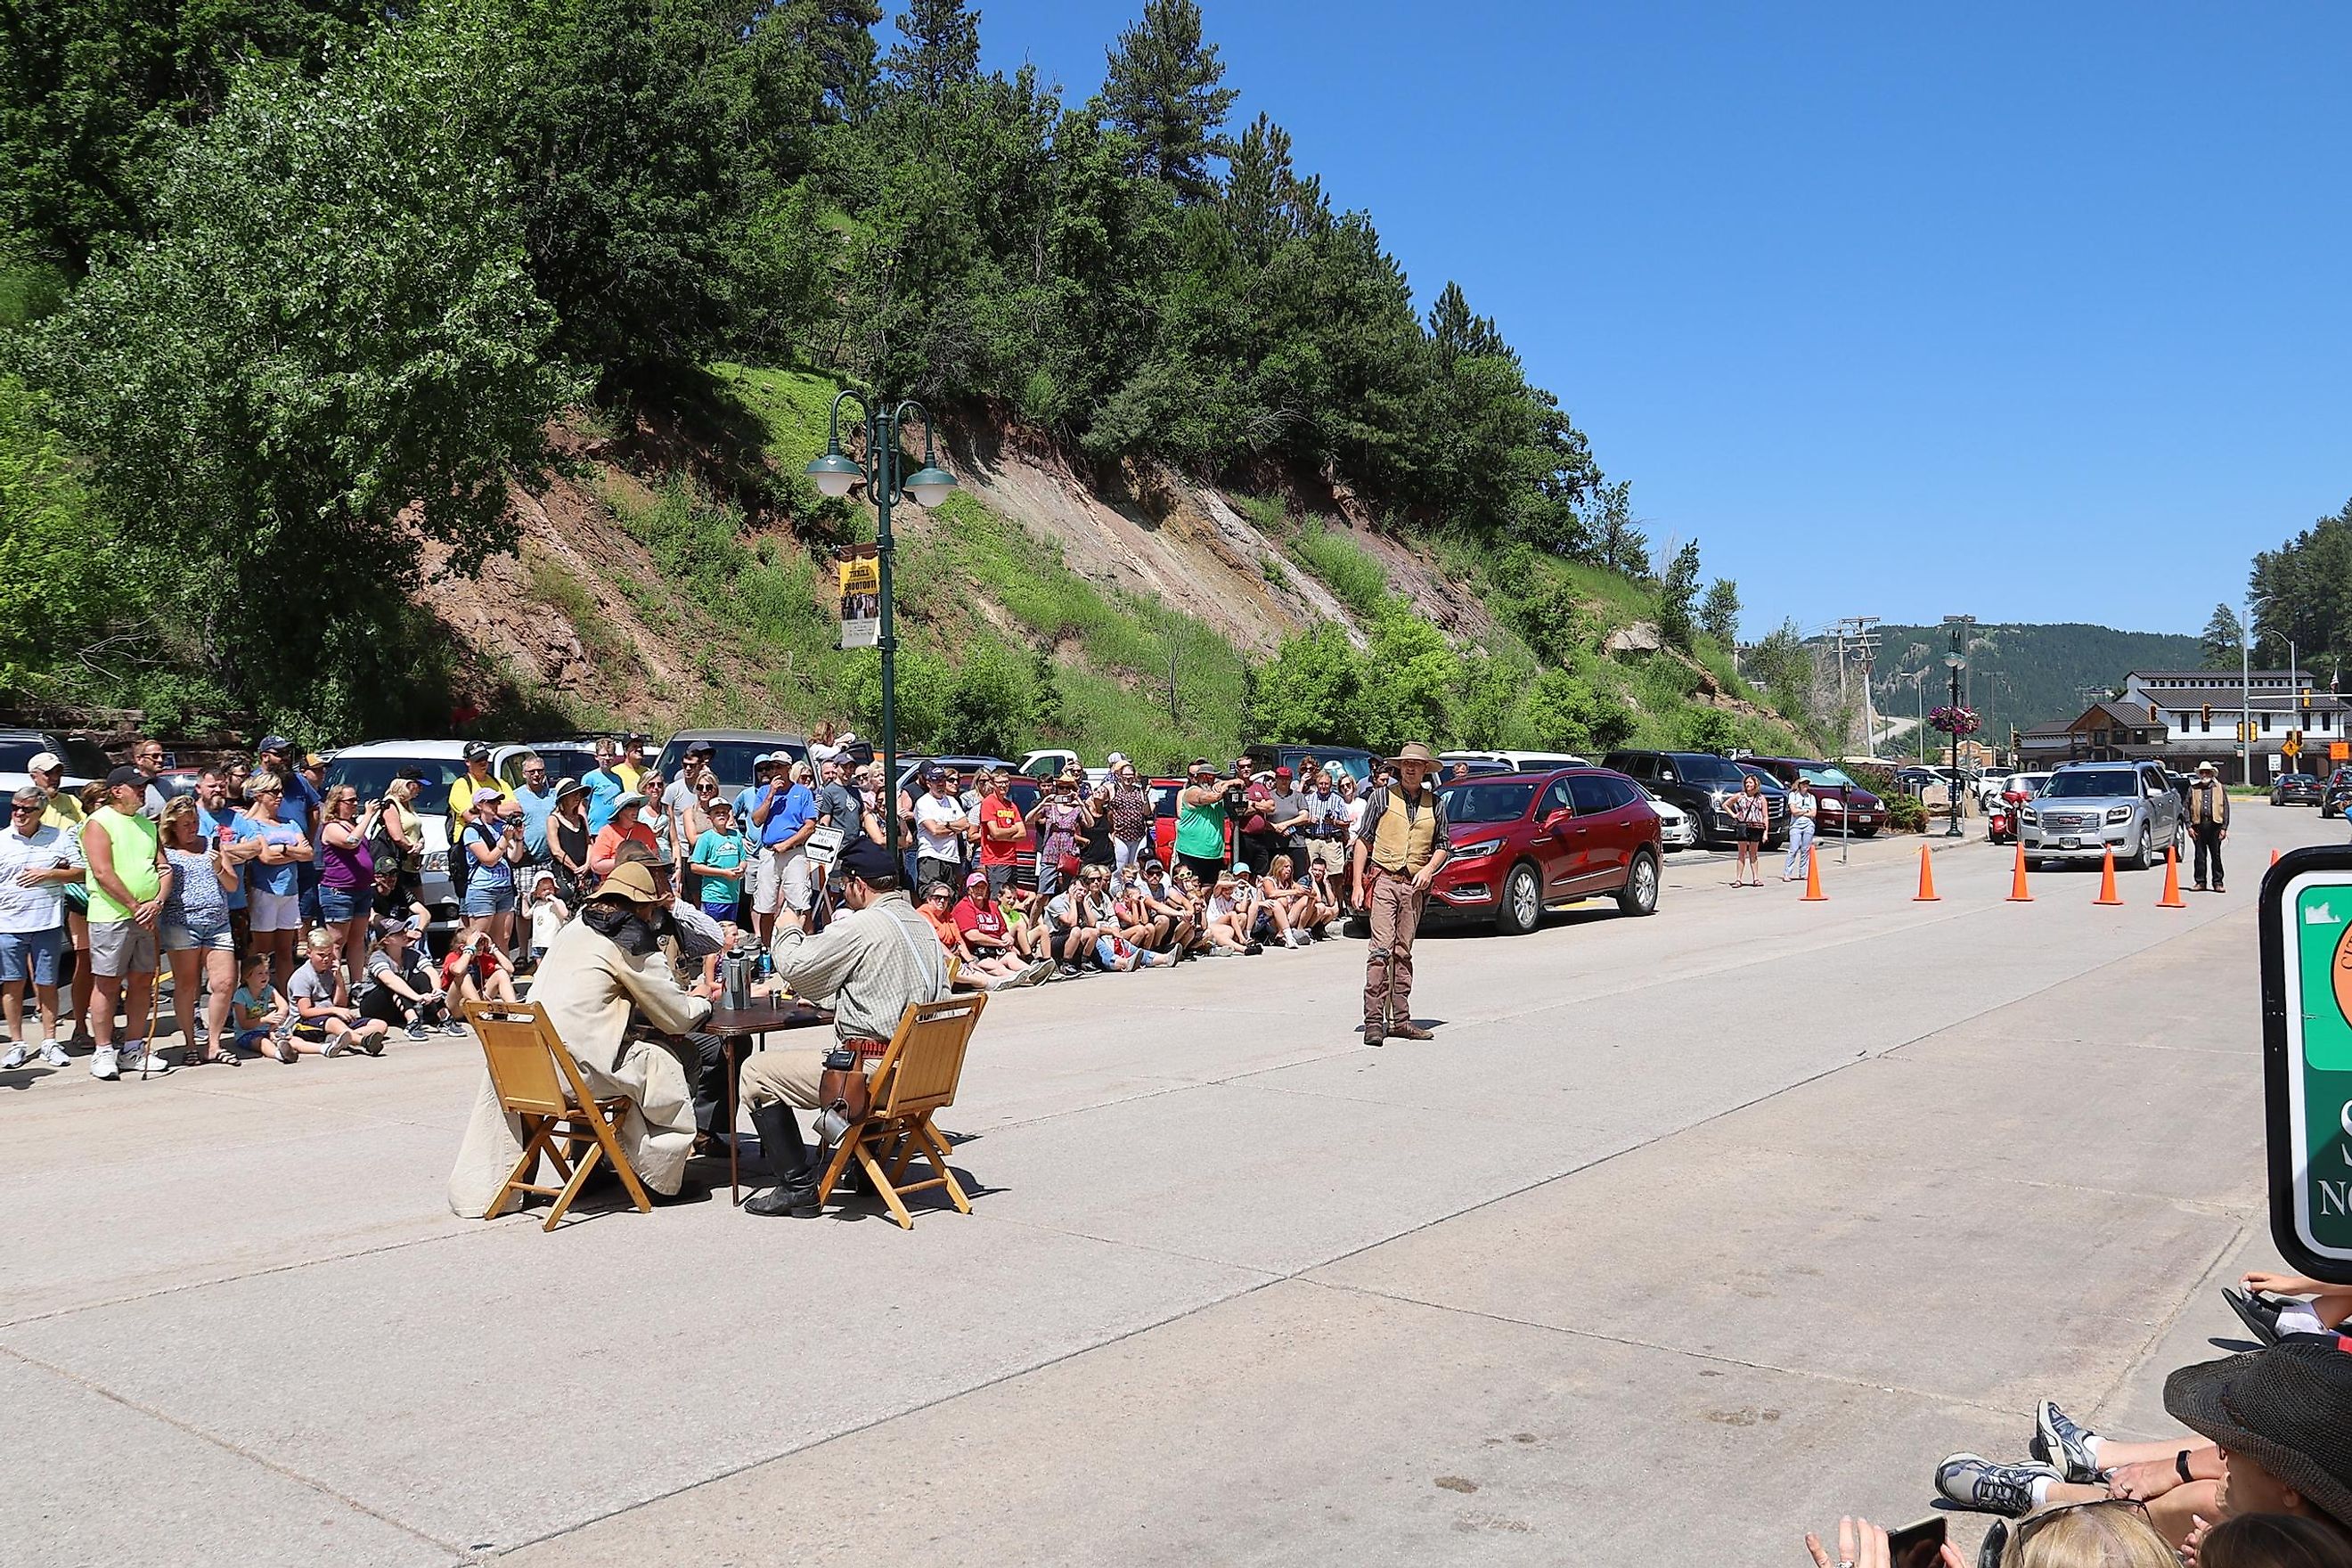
[926,1057]
[520,1045]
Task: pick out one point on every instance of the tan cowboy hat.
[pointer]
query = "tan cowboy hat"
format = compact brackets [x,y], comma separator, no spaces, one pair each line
[629,881]
[2207,768]
[1414,752]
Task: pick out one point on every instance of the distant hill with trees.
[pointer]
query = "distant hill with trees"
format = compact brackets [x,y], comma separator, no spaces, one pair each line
[2023,675]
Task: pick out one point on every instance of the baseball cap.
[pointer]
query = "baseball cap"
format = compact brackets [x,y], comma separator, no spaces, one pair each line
[869,862]
[274,743]
[701,748]
[476,752]
[1115,758]
[125,774]
[934,772]
[44,762]
[1282,772]
[977,880]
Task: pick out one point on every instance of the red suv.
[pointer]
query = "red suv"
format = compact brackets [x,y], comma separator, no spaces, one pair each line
[1840,804]
[1524,842]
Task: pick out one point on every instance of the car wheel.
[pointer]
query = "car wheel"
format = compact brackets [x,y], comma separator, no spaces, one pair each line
[2143,856]
[1639,896]
[1522,910]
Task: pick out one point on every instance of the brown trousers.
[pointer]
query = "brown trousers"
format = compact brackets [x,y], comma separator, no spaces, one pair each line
[1387,962]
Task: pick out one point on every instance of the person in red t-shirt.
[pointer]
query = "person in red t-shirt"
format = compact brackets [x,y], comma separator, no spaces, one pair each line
[1002,833]
[476,971]
[987,935]
[985,971]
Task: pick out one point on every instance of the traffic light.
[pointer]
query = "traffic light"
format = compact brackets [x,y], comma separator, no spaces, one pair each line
[2208,715]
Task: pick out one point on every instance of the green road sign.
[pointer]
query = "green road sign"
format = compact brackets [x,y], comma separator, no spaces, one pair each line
[2307,939]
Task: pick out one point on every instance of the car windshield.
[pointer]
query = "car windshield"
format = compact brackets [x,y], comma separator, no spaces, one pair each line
[1834,777]
[1498,802]
[2092,783]
[1709,770]
[369,775]
[730,760]
[562,762]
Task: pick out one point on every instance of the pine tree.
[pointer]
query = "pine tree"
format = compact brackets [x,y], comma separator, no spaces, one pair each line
[1676,590]
[2223,635]
[942,50]
[1161,90]
[1454,332]
[1718,612]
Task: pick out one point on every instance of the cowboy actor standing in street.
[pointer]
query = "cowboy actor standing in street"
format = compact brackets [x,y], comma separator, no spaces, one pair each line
[2209,822]
[1399,845]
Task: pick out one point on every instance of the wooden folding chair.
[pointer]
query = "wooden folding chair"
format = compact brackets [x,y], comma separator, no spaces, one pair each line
[536,1079]
[917,1076]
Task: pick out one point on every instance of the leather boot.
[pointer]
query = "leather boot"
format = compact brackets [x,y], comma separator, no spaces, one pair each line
[780,1140]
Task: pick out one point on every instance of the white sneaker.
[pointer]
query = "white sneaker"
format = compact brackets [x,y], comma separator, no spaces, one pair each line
[102,1064]
[18,1055]
[1293,939]
[139,1060]
[54,1054]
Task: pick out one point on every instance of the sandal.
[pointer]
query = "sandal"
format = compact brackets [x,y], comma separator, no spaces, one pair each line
[228,1058]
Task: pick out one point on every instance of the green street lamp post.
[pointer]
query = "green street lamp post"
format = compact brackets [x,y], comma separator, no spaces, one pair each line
[836,474]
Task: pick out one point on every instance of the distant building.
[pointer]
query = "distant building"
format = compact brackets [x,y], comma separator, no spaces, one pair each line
[2184,717]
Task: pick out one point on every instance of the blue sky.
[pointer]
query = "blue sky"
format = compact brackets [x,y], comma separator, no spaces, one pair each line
[2036,312]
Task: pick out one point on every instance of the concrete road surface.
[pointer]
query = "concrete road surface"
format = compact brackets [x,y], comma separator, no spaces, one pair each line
[1685,1235]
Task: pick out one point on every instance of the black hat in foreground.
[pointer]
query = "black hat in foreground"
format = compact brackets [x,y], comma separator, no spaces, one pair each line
[871,864]
[2288,1407]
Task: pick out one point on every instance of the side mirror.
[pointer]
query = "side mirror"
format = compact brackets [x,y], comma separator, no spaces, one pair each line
[1557,821]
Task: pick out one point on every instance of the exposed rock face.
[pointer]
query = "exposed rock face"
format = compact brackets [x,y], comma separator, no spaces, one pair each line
[1642,636]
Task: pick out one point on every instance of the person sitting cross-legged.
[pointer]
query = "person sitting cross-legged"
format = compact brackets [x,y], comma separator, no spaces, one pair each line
[324,1019]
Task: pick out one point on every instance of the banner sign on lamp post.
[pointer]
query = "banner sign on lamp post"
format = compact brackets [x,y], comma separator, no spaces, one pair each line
[2306,959]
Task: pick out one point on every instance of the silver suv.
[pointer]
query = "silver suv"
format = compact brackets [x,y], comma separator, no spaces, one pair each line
[2085,809]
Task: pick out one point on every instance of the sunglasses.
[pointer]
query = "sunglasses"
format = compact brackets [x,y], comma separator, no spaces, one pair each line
[265,794]
[14,810]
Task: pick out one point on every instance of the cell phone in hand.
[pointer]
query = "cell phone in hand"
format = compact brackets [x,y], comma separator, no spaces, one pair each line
[1919,1545]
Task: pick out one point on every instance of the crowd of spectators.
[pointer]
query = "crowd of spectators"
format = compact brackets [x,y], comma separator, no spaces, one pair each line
[282,916]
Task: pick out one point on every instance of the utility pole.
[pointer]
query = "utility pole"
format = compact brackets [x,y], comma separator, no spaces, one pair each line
[1839,630]
[1868,641]
[2246,696]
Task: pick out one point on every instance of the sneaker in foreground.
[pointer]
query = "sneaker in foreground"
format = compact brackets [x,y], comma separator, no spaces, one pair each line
[339,1046]
[417,1032]
[2059,1440]
[1974,1482]
[144,1062]
[453,1028]
[105,1063]
[54,1054]
[18,1055]
[2260,1316]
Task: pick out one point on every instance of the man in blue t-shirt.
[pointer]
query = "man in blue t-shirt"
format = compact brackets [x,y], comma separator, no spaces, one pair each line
[605,787]
[537,798]
[784,817]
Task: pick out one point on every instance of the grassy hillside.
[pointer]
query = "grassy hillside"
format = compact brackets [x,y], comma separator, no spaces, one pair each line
[720,607]
[2024,675]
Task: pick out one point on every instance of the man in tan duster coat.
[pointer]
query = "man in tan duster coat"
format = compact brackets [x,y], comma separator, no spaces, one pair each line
[599,969]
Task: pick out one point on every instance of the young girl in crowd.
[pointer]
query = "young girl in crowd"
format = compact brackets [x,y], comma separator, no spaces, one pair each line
[476,971]
[545,911]
[260,1014]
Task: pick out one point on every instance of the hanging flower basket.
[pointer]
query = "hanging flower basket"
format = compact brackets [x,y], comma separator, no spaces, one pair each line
[1954,720]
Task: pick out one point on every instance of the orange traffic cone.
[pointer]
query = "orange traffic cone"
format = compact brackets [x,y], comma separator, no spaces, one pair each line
[1814,894]
[2273,857]
[2107,894]
[2172,899]
[1926,893]
[2017,892]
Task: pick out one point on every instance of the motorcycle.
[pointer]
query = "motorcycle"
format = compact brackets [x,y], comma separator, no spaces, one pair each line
[2000,816]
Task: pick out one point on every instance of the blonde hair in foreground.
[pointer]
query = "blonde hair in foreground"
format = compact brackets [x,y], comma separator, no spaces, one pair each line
[2098,1535]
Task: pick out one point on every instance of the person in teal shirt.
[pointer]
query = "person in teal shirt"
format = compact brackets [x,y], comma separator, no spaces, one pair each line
[1201,814]
[717,861]
[605,786]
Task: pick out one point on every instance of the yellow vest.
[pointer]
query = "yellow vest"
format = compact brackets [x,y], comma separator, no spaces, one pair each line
[1399,845]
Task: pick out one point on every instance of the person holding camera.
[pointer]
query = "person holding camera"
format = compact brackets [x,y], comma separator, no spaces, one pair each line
[1204,810]
[492,845]
[1060,819]
[869,966]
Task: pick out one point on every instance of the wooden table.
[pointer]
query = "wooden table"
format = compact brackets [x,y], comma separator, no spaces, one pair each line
[761,1019]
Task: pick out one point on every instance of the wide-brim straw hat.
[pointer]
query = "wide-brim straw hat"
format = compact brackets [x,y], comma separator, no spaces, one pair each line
[1414,752]
[2288,1407]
